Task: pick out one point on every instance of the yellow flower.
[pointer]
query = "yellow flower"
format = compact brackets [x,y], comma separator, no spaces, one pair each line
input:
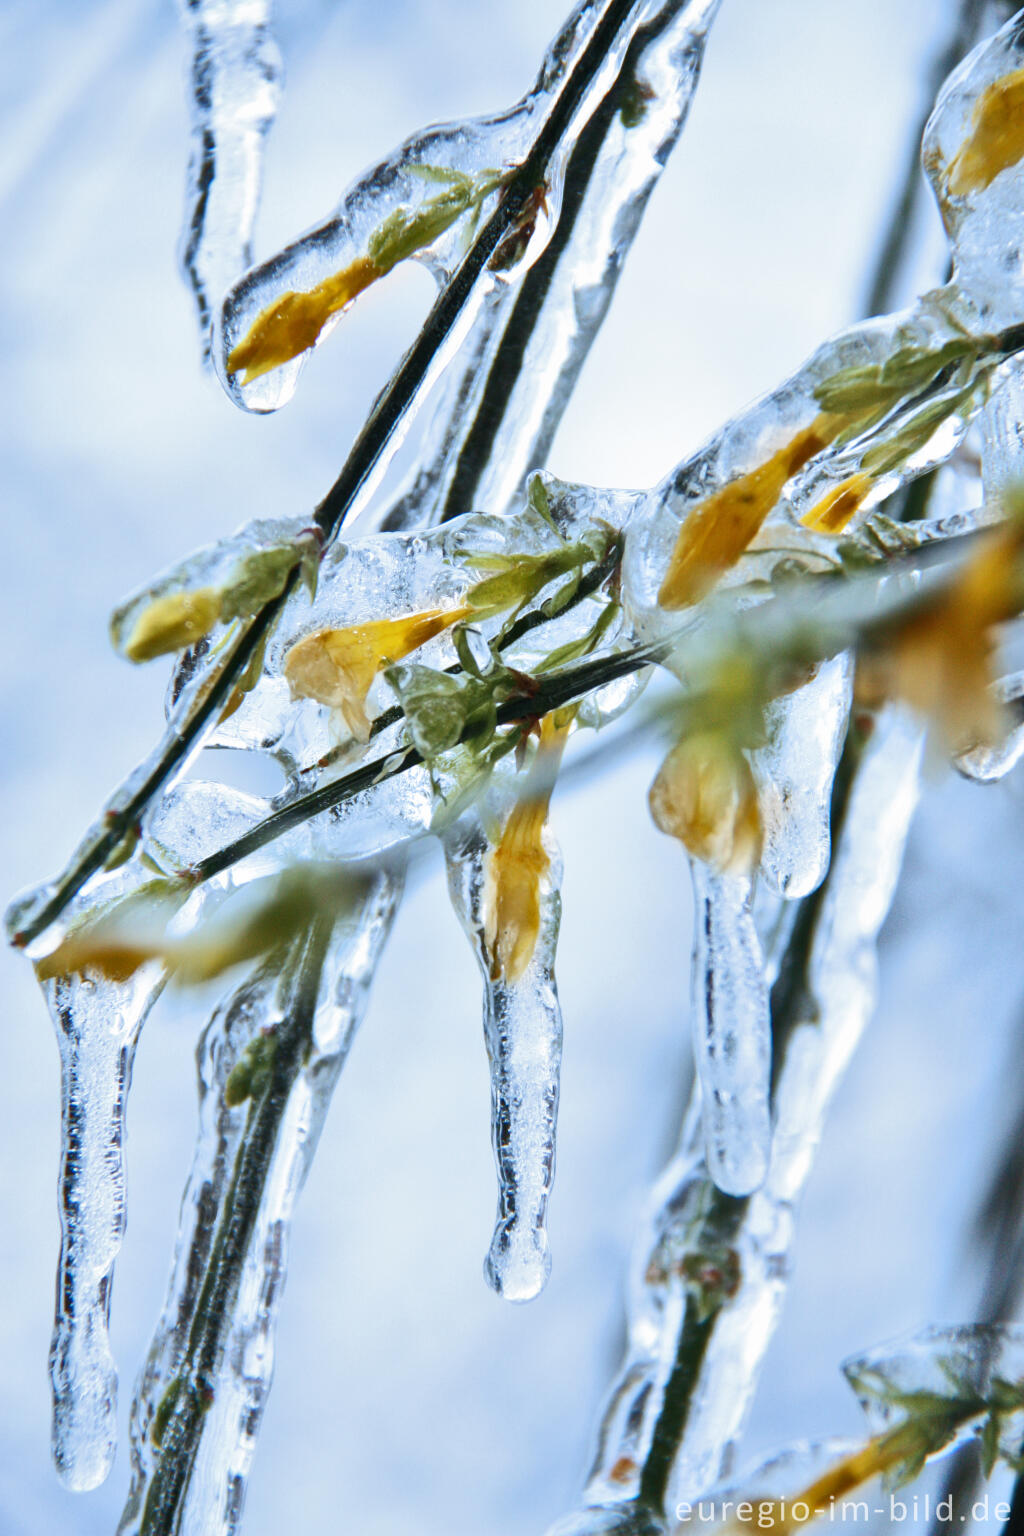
[704,795]
[717,531]
[519,862]
[172,622]
[782,1516]
[337,667]
[835,509]
[294,321]
[939,661]
[996,139]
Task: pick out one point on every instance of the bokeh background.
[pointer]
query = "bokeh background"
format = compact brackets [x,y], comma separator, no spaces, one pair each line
[408,1398]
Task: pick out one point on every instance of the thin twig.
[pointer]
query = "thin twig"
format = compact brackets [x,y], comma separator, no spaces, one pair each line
[196,1379]
[390,410]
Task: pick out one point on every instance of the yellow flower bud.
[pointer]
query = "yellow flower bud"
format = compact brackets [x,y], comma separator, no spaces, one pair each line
[704,795]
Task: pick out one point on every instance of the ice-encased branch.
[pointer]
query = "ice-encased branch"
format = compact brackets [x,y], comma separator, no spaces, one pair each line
[268,1065]
[709,1270]
[568,78]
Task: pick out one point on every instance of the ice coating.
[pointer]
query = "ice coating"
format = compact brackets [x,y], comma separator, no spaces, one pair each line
[884,401]
[794,771]
[964,1362]
[427,199]
[731,1031]
[523,1035]
[404,575]
[878,404]
[97,1021]
[419,203]
[523,381]
[989,764]
[709,1272]
[230,1350]
[234,87]
[228,580]
[973,154]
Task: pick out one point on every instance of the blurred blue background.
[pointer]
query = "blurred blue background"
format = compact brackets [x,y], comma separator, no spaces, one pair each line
[407,1396]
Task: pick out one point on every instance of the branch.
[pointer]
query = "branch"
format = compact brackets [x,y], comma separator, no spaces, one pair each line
[390,410]
[179,1424]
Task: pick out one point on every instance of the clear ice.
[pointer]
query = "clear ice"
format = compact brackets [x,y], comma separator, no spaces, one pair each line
[235,84]
[523,1035]
[709,1272]
[732,1045]
[97,1022]
[791,485]
[224,1354]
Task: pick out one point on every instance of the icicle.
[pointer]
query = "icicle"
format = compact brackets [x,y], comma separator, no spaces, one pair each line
[235,77]
[523,1033]
[709,1272]
[794,773]
[97,1021]
[231,1055]
[731,1031]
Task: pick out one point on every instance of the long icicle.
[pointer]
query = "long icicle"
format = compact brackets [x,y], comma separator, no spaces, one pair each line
[97,1022]
[508,899]
[235,84]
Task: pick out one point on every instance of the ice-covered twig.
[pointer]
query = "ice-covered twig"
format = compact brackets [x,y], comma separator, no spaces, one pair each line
[198,708]
[709,1270]
[268,1064]
[784,634]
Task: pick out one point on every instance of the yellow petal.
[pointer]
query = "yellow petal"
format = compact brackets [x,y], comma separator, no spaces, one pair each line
[337,666]
[996,139]
[704,795]
[294,321]
[835,509]
[518,864]
[172,622]
[718,530]
[939,661]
